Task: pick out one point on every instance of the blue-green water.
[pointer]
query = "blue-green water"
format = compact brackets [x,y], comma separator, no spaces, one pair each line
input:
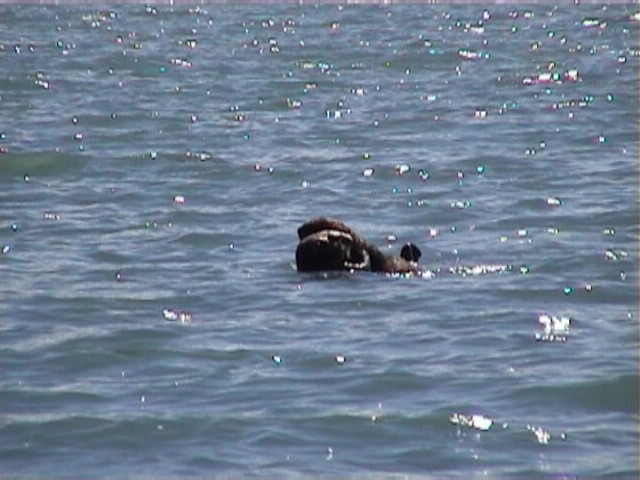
[157,161]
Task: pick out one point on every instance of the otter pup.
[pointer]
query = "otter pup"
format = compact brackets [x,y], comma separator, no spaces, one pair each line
[329,244]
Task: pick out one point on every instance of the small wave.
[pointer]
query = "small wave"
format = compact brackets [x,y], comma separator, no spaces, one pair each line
[617,394]
[34,164]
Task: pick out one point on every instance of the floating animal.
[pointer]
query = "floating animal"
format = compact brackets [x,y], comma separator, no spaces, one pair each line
[328,244]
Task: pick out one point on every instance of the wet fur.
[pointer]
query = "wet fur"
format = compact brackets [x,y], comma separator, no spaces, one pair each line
[328,244]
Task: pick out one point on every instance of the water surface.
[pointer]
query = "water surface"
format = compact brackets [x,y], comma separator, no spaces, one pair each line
[157,161]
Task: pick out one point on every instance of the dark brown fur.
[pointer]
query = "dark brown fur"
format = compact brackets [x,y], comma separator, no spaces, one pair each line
[329,244]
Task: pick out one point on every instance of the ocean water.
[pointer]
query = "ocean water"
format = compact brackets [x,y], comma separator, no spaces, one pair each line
[156,162]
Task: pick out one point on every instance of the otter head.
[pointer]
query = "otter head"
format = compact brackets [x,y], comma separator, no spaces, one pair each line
[331,250]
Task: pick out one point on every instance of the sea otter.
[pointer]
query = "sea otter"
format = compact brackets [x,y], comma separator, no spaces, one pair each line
[329,244]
